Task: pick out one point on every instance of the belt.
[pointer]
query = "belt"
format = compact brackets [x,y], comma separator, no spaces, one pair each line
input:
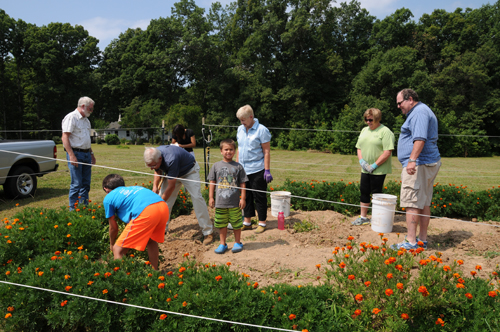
[79,150]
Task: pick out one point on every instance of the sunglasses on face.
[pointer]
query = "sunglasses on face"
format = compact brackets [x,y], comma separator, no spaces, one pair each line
[368,120]
[399,104]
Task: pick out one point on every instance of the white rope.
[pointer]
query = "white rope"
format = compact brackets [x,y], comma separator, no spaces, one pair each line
[341,131]
[261,191]
[144,308]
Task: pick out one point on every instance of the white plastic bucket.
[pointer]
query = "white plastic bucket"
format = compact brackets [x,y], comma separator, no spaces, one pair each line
[383,209]
[280,202]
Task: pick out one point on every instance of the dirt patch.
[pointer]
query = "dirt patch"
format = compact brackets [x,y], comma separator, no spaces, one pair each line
[287,256]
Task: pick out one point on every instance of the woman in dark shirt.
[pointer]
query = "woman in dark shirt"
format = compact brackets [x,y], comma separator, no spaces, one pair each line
[184,138]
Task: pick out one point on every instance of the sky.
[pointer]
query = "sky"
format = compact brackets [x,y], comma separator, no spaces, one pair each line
[106,19]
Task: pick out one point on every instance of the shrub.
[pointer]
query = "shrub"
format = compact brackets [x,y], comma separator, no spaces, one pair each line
[112,139]
[99,140]
[57,139]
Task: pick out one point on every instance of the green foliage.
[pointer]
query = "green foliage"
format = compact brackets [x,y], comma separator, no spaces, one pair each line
[112,139]
[99,140]
[57,139]
[304,226]
[207,290]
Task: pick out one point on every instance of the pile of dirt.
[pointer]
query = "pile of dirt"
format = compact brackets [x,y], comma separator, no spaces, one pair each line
[277,256]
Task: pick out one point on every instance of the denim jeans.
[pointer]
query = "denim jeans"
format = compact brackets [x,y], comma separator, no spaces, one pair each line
[80,179]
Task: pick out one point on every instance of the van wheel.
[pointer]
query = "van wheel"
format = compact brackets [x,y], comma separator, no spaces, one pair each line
[21,183]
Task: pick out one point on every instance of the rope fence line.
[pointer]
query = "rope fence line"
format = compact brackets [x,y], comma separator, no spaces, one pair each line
[261,191]
[343,131]
[144,308]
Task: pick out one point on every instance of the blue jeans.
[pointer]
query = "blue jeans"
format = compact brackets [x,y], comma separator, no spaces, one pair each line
[80,179]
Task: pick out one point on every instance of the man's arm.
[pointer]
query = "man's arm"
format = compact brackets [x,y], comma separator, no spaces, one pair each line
[113,232]
[156,181]
[415,152]
[69,149]
[170,189]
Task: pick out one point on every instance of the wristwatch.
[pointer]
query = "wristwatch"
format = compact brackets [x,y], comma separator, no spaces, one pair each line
[412,160]
[91,152]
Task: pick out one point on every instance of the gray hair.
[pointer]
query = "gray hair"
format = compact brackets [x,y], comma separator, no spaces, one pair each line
[407,93]
[244,112]
[85,101]
[151,155]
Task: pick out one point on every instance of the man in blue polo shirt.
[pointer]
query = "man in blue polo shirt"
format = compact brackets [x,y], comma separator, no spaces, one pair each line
[180,168]
[420,158]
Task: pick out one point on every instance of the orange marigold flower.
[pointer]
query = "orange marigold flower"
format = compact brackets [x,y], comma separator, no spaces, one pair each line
[67,277]
[181,283]
[163,316]
[342,265]
[97,274]
[330,260]
[376,310]
[350,238]
[169,273]
[318,266]
[182,269]
[405,316]
[479,267]
[68,288]
[460,285]
[351,277]
[468,295]
[357,312]
[116,268]
[63,303]
[440,322]
[359,297]
[423,262]
[161,286]
[367,283]
[218,278]
[186,254]
[292,317]
[399,267]
[184,303]
[460,280]
[399,285]
[90,283]
[446,268]
[389,276]
[255,285]
[40,273]
[107,274]
[423,290]
[147,263]
[10,309]
[473,273]
[169,299]
[460,262]
[8,315]
[162,278]
[105,291]
[389,292]
[492,293]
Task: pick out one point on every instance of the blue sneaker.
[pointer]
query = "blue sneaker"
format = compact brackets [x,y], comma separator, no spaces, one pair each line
[405,244]
[424,242]
[237,247]
[222,248]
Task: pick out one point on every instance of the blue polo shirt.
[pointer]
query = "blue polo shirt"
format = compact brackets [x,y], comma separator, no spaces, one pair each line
[251,155]
[175,161]
[129,202]
[421,125]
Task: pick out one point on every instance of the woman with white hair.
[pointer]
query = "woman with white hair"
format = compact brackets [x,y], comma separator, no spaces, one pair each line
[254,154]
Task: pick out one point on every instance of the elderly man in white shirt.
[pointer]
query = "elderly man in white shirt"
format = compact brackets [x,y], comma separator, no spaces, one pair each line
[76,141]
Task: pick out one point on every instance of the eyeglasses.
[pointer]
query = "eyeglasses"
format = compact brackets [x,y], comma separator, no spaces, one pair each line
[368,120]
[399,104]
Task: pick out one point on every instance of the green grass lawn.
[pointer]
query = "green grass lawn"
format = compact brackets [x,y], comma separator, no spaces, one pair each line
[476,173]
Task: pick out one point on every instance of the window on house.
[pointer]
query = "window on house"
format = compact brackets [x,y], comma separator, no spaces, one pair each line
[116,132]
[128,133]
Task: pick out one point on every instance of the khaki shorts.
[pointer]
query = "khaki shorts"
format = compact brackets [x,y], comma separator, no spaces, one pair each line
[416,189]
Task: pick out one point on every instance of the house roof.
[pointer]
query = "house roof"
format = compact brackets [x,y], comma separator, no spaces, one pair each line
[114,125]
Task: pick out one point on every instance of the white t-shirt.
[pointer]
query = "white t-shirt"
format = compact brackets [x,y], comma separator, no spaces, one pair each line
[79,127]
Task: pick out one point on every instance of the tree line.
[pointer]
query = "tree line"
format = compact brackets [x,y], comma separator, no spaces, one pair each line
[298,63]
